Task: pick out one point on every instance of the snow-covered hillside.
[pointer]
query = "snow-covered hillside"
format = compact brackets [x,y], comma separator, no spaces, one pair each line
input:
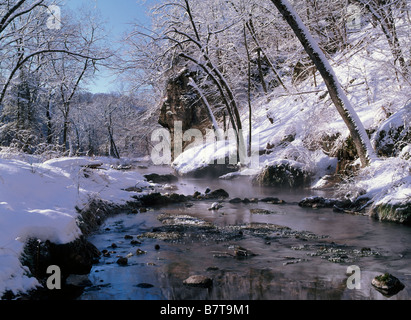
[294,125]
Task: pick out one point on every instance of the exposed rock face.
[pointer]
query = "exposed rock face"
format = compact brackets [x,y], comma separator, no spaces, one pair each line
[182,103]
[393,213]
[394,134]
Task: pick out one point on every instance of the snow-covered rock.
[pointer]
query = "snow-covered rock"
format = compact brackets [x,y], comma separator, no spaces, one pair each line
[394,133]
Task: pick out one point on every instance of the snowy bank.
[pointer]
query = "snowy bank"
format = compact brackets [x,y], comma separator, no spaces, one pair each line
[38,200]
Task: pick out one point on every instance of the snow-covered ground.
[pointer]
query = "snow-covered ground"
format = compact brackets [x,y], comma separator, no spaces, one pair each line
[38,199]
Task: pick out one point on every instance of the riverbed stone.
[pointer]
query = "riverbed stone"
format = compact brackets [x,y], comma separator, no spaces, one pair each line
[144,285]
[320,202]
[215,206]
[387,284]
[261,211]
[285,174]
[157,178]
[122,261]
[241,252]
[198,281]
[235,200]
[272,200]
[157,198]
[216,194]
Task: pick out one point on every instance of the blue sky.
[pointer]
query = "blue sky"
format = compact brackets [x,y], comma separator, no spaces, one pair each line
[118,14]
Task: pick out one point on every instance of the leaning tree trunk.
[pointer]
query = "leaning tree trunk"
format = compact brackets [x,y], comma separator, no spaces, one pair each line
[339,98]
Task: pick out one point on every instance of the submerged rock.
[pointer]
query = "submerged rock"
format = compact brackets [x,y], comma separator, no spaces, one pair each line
[241,252]
[78,280]
[161,235]
[261,211]
[182,220]
[387,284]
[145,285]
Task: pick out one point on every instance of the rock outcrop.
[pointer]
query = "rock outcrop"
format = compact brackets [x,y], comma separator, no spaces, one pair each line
[182,103]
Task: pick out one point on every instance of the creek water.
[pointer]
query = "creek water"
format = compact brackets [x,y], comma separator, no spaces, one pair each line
[282,267]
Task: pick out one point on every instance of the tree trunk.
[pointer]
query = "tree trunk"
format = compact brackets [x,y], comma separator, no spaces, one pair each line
[340,100]
[249,89]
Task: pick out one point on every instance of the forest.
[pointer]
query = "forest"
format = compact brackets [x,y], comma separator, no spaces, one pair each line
[237,52]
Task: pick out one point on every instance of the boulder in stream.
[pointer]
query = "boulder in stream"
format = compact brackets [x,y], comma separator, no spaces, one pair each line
[217,194]
[285,174]
[387,284]
[198,281]
[157,178]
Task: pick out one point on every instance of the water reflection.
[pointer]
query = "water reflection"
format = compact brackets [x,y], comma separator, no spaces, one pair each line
[278,271]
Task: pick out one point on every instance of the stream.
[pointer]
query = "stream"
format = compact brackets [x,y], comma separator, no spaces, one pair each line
[306,260]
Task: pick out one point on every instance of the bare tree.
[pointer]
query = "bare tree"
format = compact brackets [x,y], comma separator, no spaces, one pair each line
[382,11]
[340,100]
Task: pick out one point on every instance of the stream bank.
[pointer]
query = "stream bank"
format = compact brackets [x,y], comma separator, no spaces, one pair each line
[261,243]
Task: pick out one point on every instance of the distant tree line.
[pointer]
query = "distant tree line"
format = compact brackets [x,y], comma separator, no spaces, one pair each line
[47,57]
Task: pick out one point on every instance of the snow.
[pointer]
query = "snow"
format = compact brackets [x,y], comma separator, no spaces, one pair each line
[199,157]
[385,182]
[305,114]
[341,94]
[37,200]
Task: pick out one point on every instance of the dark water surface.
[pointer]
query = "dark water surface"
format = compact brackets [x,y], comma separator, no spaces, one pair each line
[282,268]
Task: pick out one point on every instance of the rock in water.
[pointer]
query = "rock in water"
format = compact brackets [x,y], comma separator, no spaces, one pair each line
[122,261]
[145,285]
[216,194]
[241,252]
[235,200]
[78,280]
[387,284]
[157,178]
[215,206]
[198,281]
